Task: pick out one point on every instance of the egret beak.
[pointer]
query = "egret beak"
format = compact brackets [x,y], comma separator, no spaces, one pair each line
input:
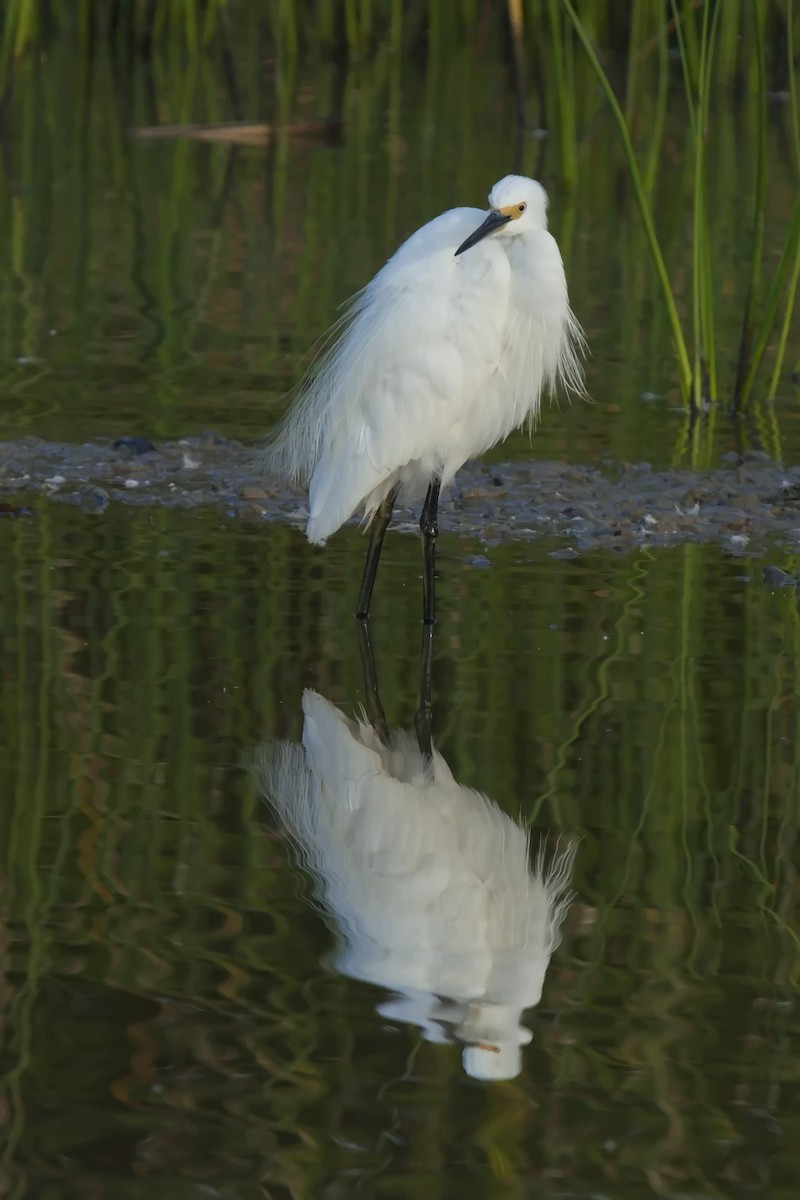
[494,221]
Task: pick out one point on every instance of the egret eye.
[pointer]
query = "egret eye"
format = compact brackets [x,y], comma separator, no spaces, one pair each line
[521,208]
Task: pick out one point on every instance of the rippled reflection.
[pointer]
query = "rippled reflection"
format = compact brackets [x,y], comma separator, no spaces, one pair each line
[431,884]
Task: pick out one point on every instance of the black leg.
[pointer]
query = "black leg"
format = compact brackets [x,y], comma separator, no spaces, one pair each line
[429,528]
[423,718]
[372,699]
[377,529]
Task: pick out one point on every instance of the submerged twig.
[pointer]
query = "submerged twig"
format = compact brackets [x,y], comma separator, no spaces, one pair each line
[246,133]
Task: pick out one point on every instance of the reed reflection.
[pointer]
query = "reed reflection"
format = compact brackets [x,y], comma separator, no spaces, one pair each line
[430,884]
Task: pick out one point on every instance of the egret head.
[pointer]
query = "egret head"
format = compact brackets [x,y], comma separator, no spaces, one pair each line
[516,205]
[493,1038]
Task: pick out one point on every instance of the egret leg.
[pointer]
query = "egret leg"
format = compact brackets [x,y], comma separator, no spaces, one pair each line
[423,718]
[377,528]
[429,527]
[372,699]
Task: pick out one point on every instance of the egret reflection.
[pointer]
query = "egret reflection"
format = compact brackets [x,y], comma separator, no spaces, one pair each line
[431,885]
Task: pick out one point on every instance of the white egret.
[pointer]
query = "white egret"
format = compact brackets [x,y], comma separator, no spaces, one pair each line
[447,350]
[430,883]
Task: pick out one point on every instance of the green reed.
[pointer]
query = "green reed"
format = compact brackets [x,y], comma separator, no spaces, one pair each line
[709,62]
[645,209]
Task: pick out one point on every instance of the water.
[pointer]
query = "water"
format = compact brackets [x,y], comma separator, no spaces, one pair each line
[162,287]
[172,1027]
[172,1024]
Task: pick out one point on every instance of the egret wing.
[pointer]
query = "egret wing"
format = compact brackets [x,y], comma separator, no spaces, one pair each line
[426,337]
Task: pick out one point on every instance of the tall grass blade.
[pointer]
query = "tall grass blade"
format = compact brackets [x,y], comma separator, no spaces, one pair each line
[565,96]
[642,201]
[791,296]
[659,116]
[788,259]
[706,376]
[744,375]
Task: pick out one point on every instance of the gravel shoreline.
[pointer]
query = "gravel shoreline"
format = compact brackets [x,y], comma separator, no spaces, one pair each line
[741,504]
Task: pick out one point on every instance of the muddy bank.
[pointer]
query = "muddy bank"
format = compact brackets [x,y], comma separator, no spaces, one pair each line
[741,504]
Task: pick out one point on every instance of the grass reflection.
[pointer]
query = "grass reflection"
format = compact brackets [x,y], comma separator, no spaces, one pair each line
[162,980]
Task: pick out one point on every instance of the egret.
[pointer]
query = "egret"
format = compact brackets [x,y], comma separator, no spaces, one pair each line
[447,349]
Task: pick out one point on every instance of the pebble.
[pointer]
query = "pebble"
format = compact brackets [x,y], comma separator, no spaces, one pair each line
[96,500]
[752,500]
[131,447]
[777,578]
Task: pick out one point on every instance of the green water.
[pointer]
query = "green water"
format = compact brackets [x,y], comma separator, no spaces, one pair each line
[164,287]
[171,1025]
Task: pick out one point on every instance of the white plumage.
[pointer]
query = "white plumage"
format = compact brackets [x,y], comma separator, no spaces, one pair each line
[446,351]
[430,883]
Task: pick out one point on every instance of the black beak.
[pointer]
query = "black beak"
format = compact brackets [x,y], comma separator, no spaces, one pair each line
[492,222]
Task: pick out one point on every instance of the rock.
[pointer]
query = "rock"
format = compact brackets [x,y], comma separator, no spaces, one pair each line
[131,447]
[775,577]
[14,510]
[95,500]
[207,439]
